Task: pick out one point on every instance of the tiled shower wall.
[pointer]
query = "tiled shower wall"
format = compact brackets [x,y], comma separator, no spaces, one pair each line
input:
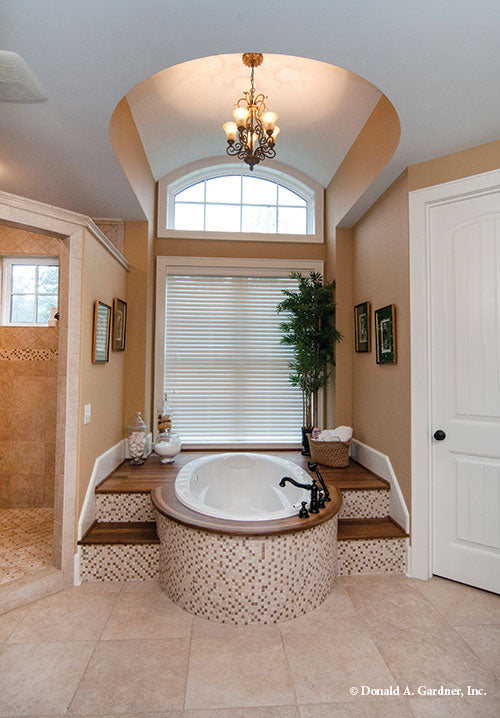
[28,394]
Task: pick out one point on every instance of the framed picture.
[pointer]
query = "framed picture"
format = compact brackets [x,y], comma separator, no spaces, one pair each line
[362,328]
[102,324]
[119,324]
[385,334]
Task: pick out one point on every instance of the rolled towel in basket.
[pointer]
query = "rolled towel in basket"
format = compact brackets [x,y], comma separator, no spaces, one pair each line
[340,433]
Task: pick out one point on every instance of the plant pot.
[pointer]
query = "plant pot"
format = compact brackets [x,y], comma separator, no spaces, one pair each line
[305,440]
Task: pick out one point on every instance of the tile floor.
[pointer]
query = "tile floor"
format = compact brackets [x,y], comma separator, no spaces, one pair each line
[104,649]
[26,537]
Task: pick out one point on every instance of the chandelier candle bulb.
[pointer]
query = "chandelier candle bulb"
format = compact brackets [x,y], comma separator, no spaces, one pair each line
[230,129]
[241,115]
[269,120]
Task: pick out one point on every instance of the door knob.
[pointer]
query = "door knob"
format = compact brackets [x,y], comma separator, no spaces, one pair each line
[439,435]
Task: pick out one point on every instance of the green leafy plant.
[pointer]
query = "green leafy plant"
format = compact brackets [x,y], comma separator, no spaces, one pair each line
[310,330]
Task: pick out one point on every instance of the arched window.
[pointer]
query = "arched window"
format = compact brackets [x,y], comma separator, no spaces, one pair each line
[226,201]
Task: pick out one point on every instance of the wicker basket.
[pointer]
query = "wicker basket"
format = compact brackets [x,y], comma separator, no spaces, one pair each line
[330,453]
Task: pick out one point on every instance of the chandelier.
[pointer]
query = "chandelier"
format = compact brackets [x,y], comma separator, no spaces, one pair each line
[252,135]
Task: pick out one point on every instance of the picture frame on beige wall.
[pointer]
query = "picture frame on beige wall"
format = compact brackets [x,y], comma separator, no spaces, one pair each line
[101,332]
[119,324]
[362,327]
[385,335]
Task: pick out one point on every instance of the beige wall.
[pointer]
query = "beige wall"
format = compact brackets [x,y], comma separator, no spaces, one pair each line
[101,385]
[372,150]
[139,251]
[472,161]
[28,393]
[251,250]
[380,275]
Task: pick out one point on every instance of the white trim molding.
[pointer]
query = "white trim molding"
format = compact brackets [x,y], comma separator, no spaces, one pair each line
[104,465]
[421,203]
[381,465]
[53,220]
[299,182]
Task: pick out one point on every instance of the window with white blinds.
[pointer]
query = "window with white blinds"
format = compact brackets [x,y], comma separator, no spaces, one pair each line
[226,373]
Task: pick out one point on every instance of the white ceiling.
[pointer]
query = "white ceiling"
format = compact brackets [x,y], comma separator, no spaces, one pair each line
[179,112]
[438,63]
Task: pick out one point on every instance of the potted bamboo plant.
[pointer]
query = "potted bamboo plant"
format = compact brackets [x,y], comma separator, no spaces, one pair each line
[310,330]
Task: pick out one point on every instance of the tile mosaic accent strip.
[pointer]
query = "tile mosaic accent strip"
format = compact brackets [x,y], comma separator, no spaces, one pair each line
[370,556]
[124,507]
[364,504]
[28,354]
[119,562]
[26,538]
[247,580]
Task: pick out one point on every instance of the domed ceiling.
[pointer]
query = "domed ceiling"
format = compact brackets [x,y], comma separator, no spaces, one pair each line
[179,111]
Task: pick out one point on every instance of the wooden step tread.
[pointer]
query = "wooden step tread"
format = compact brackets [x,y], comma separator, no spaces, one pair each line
[369,529]
[141,479]
[126,532]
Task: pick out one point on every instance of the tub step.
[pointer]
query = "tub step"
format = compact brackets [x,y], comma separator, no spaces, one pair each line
[370,528]
[123,532]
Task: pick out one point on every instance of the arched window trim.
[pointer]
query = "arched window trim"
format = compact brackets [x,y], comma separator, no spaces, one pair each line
[170,184]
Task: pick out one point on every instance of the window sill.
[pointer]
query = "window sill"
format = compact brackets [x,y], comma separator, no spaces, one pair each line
[239,236]
[241,446]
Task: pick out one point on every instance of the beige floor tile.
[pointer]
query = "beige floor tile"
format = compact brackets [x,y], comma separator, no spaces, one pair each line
[336,615]
[433,657]
[40,679]
[384,708]
[263,712]
[247,668]
[133,676]
[472,707]
[485,642]
[201,627]
[162,714]
[10,620]
[393,605]
[363,580]
[74,614]
[461,605]
[146,613]
[325,668]
[139,585]
[99,587]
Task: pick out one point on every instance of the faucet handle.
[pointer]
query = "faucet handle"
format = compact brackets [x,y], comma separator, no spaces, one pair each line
[304,513]
[312,465]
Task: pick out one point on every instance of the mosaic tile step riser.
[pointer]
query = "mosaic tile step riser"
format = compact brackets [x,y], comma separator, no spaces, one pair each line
[372,556]
[124,507]
[141,563]
[119,562]
[138,507]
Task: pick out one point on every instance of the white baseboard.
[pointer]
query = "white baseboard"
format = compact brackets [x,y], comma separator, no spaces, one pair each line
[381,465]
[103,465]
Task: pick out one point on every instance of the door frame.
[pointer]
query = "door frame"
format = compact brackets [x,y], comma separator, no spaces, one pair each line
[421,203]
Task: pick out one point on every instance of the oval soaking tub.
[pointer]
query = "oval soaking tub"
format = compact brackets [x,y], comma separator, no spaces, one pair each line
[241,487]
[232,547]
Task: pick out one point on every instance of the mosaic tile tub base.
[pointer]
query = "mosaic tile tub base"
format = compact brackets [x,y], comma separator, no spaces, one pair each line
[247,580]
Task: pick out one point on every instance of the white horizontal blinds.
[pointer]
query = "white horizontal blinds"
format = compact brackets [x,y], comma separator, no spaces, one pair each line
[226,373]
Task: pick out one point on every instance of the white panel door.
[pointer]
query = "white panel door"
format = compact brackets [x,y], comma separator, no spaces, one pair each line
[465,388]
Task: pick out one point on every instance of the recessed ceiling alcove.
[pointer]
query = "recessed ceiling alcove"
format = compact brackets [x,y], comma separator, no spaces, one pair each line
[322,108]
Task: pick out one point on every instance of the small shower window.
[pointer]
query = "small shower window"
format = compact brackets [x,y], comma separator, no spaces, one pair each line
[30,290]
